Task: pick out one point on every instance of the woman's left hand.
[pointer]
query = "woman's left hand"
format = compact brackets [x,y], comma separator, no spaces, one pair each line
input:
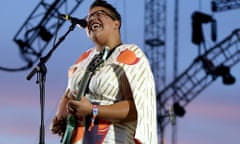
[80,108]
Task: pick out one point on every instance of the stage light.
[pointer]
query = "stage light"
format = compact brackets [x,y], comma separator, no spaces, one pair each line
[179,110]
[224,72]
[45,34]
[198,18]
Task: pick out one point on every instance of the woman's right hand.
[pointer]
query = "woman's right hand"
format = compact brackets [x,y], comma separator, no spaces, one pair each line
[58,125]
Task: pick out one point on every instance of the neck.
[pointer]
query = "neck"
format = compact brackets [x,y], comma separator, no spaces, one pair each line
[112,45]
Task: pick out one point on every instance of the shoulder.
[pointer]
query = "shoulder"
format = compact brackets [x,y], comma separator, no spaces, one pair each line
[129,54]
[84,55]
[80,62]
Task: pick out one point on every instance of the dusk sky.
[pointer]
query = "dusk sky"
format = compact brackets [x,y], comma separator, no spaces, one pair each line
[213,117]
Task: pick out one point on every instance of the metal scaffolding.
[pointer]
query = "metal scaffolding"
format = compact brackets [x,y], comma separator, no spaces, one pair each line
[39,28]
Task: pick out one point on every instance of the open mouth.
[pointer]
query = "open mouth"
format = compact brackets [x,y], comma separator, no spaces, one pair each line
[94,26]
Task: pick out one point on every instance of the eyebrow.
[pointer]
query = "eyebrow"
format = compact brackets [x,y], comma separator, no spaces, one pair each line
[108,14]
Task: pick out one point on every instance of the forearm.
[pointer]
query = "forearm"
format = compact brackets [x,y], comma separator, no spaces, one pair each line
[61,109]
[59,121]
[122,111]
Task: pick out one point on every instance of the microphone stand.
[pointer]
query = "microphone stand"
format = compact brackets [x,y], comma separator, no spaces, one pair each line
[41,71]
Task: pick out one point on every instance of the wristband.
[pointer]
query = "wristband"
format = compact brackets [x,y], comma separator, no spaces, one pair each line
[94,115]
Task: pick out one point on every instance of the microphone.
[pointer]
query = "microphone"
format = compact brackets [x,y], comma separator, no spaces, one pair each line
[81,22]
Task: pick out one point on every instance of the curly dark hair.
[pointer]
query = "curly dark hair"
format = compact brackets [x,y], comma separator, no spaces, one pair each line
[102,3]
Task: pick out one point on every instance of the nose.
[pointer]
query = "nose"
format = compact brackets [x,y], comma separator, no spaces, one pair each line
[91,18]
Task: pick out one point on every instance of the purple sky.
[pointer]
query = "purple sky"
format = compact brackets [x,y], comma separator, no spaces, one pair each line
[212,117]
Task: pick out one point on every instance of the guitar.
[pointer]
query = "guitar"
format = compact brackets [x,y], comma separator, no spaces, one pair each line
[91,68]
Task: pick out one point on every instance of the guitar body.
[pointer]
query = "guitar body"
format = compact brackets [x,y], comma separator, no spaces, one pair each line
[72,120]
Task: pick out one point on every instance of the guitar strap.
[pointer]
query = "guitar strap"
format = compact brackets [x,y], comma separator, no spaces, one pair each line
[112,50]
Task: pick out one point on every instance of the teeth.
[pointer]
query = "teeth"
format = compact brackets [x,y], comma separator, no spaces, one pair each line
[95,25]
